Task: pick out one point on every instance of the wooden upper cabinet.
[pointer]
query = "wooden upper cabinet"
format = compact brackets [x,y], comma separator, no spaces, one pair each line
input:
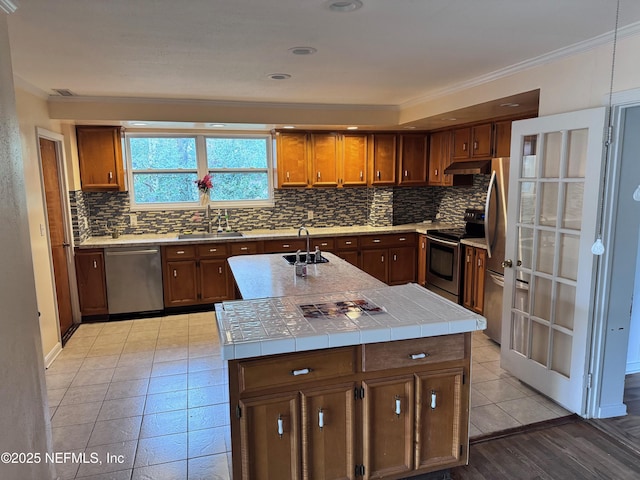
[100,158]
[293,155]
[439,158]
[502,139]
[324,159]
[412,161]
[354,159]
[472,142]
[383,159]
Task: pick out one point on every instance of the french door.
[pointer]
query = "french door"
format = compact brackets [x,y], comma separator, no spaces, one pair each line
[556,163]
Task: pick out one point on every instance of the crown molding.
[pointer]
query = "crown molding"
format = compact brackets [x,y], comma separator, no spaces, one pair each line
[575,49]
[8,7]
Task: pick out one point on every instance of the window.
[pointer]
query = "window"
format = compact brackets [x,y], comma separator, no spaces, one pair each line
[164,168]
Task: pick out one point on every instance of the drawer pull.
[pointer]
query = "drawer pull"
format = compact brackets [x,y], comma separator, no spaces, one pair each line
[324,244]
[302,371]
[348,243]
[418,356]
[398,409]
[220,270]
[402,239]
[280,426]
[376,240]
[180,252]
[285,245]
[433,399]
[244,248]
[213,250]
[320,419]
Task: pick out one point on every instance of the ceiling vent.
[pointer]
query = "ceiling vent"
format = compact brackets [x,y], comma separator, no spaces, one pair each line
[63,92]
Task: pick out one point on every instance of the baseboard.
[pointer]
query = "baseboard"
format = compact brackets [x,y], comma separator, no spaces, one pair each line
[52,355]
[610,411]
[632,367]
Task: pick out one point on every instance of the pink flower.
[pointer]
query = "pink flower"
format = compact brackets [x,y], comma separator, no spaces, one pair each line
[204,183]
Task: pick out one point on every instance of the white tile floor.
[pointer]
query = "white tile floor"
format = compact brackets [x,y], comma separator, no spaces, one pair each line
[155,392]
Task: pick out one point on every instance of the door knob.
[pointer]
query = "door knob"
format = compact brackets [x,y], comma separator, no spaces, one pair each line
[507,264]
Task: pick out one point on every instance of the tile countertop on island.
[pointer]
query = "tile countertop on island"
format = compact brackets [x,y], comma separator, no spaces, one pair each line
[261,234]
[292,314]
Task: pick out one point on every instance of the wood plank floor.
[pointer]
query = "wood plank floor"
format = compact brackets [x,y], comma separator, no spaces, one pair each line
[575,450]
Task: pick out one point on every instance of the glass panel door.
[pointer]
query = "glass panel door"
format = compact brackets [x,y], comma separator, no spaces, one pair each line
[551,226]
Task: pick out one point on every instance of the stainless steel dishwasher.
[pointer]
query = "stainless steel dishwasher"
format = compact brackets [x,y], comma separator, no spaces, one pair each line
[134,280]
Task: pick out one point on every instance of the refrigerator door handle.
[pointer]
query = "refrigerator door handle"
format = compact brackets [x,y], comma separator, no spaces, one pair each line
[487,217]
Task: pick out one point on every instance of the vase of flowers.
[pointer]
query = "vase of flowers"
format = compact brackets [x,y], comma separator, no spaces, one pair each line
[204,186]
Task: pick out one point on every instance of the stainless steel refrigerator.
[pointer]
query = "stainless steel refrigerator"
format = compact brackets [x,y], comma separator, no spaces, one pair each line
[495,224]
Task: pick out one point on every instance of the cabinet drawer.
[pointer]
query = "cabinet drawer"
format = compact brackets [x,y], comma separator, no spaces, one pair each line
[245,248]
[346,243]
[284,245]
[388,240]
[325,244]
[296,368]
[212,250]
[180,252]
[414,352]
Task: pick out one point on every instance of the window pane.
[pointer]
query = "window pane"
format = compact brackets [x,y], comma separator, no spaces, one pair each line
[237,152]
[164,187]
[163,153]
[240,186]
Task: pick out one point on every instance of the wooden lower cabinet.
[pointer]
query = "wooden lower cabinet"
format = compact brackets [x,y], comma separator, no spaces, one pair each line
[368,411]
[92,284]
[376,263]
[474,276]
[391,258]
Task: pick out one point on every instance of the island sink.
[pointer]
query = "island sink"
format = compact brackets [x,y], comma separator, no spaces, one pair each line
[291,258]
[186,236]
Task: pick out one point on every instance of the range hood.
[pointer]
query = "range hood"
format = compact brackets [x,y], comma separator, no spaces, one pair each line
[469,168]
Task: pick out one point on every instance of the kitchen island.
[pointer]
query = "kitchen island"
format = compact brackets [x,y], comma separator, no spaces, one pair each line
[336,375]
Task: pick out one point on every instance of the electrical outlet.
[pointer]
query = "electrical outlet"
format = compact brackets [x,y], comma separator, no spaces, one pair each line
[309,214]
[133,220]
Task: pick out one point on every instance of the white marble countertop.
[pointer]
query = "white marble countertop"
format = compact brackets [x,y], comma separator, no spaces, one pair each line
[268,326]
[269,275]
[258,234]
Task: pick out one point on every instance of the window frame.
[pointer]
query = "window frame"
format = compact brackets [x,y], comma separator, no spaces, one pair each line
[201,170]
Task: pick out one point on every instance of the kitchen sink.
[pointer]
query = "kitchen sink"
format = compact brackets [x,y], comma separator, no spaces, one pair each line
[291,258]
[188,236]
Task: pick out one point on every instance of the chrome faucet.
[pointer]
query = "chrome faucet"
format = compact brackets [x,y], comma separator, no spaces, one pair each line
[308,251]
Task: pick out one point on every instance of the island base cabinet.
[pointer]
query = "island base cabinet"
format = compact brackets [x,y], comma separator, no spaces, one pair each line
[388,426]
[270,435]
[328,433]
[439,426]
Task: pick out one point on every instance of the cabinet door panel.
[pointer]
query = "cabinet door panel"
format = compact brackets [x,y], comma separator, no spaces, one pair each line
[292,159]
[328,425]
[384,159]
[422,260]
[479,265]
[324,160]
[467,296]
[461,143]
[413,160]
[181,283]
[502,141]
[402,265]
[375,262]
[481,141]
[213,281]
[439,157]
[354,160]
[388,426]
[92,290]
[270,438]
[100,158]
[352,257]
[439,426]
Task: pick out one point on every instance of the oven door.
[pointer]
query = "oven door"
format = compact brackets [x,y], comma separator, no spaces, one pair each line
[443,267]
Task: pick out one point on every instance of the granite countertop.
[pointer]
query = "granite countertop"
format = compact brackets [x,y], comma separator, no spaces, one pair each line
[269,275]
[258,234]
[475,242]
[269,326]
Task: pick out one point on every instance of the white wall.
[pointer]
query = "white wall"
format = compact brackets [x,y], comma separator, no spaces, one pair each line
[24,415]
[633,354]
[32,113]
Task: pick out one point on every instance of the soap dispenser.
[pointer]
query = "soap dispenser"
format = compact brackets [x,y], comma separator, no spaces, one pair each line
[318,255]
[301,267]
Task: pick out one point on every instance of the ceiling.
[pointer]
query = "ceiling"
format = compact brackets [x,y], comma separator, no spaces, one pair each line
[388,53]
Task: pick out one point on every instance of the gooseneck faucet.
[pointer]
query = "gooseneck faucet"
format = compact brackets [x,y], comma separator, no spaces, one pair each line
[308,251]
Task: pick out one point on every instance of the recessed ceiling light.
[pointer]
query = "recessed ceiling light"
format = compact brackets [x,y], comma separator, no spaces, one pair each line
[343,5]
[303,50]
[288,126]
[352,128]
[510,105]
[217,125]
[279,76]
[139,124]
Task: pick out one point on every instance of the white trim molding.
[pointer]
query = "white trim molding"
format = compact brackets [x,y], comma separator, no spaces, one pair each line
[8,7]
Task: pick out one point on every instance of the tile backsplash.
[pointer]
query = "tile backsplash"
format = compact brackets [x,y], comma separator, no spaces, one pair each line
[94,212]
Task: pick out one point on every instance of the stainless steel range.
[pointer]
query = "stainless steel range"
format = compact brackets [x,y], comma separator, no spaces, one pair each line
[444,268]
